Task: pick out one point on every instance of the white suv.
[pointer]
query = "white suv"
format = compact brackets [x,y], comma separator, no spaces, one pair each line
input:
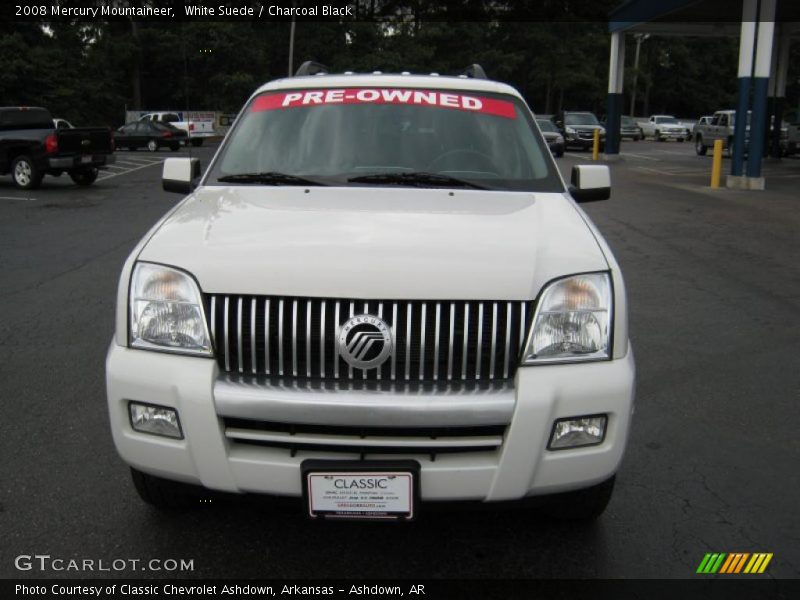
[380,294]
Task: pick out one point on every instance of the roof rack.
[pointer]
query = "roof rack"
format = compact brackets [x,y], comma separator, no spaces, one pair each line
[311,68]
[474,71]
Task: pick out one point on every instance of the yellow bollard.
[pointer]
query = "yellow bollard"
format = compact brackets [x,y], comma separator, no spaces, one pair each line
[596,145]
[716,164]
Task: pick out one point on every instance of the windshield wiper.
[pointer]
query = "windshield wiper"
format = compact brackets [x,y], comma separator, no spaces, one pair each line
[416,178]
[268,178]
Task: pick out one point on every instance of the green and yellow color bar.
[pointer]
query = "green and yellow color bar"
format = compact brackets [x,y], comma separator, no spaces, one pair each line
[734,563]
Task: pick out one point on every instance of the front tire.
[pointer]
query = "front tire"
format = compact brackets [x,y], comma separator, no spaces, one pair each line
[164,494]
[85,177]
[25,173]
[152,146]
[581,505]
[699,147]
[658,137]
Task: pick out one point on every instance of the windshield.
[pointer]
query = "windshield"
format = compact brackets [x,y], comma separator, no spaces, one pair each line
[627,122]
[580,119]
[339,136]
[546,125]
[666,120]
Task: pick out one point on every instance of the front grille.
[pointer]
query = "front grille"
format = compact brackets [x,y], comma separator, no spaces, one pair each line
[365,440]
[290,337]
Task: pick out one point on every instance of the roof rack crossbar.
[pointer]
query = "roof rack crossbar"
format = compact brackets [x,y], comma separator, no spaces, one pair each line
[475,71]
[311,68]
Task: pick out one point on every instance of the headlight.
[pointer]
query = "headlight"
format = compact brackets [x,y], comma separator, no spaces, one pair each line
[570,131]
[166,311]
[572,321]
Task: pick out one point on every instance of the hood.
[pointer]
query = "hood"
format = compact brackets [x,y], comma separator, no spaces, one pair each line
[371,243]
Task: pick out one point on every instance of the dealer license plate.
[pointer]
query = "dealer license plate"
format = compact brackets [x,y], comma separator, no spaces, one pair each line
[372,492]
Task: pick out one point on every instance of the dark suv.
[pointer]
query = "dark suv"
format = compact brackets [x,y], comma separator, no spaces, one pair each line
[578,129]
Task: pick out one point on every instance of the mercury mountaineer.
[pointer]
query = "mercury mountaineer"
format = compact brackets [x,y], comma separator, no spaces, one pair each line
[378,277]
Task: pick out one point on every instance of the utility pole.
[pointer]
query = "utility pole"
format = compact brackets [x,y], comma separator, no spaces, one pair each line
[640,37]
[291,44]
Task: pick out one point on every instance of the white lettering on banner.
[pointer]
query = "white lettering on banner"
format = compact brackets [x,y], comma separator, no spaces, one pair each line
[289,98]
[452,100]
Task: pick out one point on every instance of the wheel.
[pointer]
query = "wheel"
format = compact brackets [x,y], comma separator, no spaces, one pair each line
[165,494]
[699,147]
[658,136]
[730,147]
[175,147]
[85,176]
[581,505]
[25,173]
[197,142]
[152,146]
[680,140]
[635,138]
[559,153]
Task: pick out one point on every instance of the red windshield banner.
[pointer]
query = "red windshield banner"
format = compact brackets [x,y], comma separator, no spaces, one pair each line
[452,100]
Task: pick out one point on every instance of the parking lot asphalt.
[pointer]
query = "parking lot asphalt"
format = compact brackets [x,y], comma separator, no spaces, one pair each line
[712,460]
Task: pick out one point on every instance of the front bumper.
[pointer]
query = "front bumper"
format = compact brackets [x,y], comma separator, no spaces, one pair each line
[676,134]
[81,161]
[520,467]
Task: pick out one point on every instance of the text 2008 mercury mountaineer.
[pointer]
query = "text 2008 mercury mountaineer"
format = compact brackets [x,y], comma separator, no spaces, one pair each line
[380,294]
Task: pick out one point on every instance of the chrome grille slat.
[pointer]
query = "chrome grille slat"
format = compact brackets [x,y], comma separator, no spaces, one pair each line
[409,314]
[422,342]
[227,348]
[436,341]
[322,340]
[394,339]
[480,342]
[308,338]
[239,354]
[433,340]
[336,335]
[450,346]
[280,337]
[266,336]
[253,355]
[465,343]
[508,340]
[294,338]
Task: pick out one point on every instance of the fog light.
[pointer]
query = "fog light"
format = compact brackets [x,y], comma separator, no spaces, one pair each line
[576,432]
[157,420]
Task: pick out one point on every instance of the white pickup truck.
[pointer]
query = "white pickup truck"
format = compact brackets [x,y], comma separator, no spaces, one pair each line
[197,130]
[665,127]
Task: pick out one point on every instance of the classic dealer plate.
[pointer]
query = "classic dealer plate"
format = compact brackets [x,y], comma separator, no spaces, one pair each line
[362,490]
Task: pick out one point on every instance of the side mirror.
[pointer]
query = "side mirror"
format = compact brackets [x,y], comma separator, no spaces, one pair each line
[590,183]
[180,175]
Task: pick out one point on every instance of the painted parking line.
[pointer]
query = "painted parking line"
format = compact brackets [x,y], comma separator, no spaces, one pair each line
[134,163]
[103,178]
[639,156]
[17,198]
